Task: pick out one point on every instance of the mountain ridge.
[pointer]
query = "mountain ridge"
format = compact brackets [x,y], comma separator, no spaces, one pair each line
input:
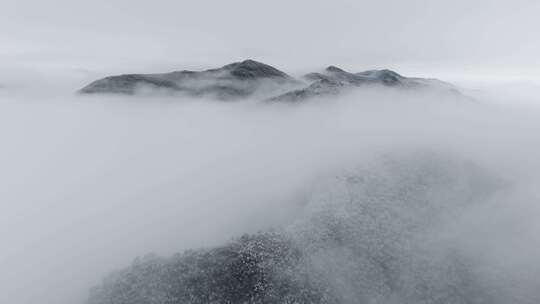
[254,79]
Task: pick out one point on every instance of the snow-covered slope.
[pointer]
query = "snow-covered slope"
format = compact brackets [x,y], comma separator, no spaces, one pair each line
[396,231]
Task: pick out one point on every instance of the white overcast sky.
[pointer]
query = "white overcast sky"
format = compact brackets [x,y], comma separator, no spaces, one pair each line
[137,35]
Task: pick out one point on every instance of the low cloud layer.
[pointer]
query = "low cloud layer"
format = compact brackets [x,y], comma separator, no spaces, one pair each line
[91,183]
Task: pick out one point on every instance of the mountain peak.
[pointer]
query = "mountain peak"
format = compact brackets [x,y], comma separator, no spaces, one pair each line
[251,69]
[245,63]
[334,69]
[386,76]
[251,62]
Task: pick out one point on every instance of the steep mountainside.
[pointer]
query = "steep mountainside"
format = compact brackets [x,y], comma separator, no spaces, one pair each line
[392,232]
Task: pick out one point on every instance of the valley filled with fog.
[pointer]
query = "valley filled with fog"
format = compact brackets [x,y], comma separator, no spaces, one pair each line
[92,182]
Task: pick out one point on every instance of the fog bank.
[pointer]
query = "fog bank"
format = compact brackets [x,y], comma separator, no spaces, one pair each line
[88,184]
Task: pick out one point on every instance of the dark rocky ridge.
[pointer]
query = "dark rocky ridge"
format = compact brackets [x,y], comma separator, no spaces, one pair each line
[233,81]
[254,79]
[334,80]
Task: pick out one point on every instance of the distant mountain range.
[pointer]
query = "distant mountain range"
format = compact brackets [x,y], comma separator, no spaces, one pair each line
[252,79]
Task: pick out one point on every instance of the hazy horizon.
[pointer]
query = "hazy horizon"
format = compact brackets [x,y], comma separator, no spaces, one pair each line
[450,40]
